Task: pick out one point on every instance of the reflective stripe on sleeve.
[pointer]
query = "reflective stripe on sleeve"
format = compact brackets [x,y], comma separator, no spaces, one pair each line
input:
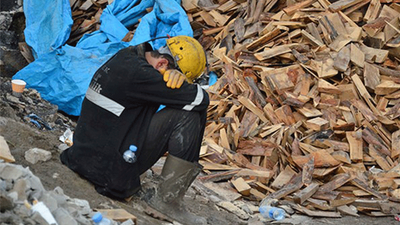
[197,100]
[104,102]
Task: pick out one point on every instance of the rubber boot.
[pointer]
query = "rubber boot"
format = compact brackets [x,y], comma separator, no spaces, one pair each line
[177,175]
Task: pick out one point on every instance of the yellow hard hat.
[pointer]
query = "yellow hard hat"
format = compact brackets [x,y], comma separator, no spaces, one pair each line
[189,56]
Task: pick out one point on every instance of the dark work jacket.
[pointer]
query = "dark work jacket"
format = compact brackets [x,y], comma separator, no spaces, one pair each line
[123,96]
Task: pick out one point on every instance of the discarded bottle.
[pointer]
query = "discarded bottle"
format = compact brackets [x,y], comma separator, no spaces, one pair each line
[271,212]
[98,219]
[130,154]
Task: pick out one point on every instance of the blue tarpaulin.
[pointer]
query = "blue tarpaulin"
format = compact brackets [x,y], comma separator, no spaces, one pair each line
[62,73]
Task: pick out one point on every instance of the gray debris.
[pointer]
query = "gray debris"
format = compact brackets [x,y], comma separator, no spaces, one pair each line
[35,155]
[19,189]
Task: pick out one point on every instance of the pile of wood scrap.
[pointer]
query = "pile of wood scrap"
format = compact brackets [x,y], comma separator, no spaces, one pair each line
[86,16]
[306,108]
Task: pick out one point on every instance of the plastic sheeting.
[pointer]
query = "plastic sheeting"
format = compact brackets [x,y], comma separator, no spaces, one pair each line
[62,73]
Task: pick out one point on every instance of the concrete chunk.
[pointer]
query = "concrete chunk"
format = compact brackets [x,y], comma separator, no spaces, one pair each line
[35,155]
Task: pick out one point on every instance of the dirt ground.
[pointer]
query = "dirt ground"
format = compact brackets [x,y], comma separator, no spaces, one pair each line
[21,137]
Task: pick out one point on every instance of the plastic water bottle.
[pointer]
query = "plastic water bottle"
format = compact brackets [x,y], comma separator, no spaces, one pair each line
[98,219]
[130,154]
[271,212]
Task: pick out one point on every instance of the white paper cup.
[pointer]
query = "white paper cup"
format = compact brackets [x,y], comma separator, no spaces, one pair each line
[18,87]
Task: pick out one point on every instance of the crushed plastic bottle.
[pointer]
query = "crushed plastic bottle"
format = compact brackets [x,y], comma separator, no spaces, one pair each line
[271,212]
[98,219]
[130,154]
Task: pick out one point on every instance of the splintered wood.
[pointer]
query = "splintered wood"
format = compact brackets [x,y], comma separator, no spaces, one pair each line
[308,98]
[86,16]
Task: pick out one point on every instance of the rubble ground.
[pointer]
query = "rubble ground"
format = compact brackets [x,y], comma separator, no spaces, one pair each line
[22,136]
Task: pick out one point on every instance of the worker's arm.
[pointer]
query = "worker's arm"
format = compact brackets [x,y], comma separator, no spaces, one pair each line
[151,89]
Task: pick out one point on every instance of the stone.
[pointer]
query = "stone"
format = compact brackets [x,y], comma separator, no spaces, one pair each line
[35,155]
[247,207]
[128,222]
[60,198]
[20,188]
[9,218]
[49,201]
[81,205]
[229,206]
[63,217]
[35,185]
[6,202]
[9,171]
[13,195]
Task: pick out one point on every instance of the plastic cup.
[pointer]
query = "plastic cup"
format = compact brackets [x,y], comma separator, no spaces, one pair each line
[18,87]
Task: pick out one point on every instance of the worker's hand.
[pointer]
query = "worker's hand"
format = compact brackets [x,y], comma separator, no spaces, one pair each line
[174,78]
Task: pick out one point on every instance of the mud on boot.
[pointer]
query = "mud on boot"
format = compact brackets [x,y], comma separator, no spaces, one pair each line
[167,198]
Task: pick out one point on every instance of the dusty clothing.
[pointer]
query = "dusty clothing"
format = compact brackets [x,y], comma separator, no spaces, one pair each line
[118,108]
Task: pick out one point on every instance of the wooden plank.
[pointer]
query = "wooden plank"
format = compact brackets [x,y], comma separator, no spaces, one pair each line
[386,87]
[342,156]
[337,181]
[300,57]
[227,6]
[395,144]
[374,55]
[283,178]
[361,88]
[357,56]
[220,19]
[190,6]
[119,215]
[374,27]
[373,10]
[263,39]
[314,41]
[5,152]
[219,176]
[322,159]
[340,42]
[356,145]
[326,87]
[208,19]
[293,8]
[310,113]
[241,186]
[314,31]
[252,107]
[303,195]
[257,12]
[342,4]
[86,5]
[372,78]
[342,59]
[347,210]
[239,29]
[294,185]
[317,124]
[276,51]
[357,182]
[307,172]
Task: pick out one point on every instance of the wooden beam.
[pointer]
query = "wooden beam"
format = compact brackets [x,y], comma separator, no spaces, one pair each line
[303,195]
[356,145]
[5,153]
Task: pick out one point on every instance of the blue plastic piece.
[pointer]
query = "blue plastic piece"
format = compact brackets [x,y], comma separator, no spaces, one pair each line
[97,217]
[62,73]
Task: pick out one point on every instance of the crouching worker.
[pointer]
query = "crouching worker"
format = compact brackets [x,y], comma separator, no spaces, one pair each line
[119,110]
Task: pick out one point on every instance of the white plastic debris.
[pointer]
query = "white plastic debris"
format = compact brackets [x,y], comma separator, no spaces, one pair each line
[67,137]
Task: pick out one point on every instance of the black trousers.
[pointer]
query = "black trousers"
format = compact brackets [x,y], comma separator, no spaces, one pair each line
[177,132]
